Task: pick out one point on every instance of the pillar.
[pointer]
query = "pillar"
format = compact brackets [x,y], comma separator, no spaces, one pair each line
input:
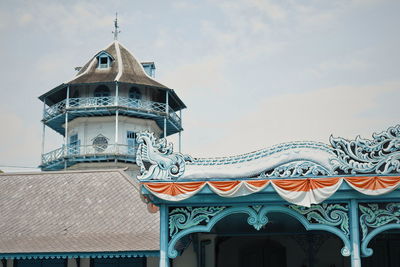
[66,129]
[167,113]
[116,102]
[180,132]
[164,260]
[44,128]
[354,234]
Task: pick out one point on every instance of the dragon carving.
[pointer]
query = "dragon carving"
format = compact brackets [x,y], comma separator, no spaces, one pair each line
[156,159]
[381,155]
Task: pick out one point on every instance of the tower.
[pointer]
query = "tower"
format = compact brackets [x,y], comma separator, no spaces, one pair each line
[101,109]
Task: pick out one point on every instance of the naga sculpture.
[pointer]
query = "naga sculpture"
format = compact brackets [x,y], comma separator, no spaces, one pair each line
[164,165]
[296,159]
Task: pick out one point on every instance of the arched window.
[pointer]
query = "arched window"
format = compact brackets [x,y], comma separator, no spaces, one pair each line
[102,91]
[134,92]
[75,94]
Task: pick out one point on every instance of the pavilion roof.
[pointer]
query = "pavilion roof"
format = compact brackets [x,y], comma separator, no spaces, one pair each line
[74,211]
[124,68]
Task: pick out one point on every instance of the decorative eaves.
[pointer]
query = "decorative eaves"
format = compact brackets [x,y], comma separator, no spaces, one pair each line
[381,155]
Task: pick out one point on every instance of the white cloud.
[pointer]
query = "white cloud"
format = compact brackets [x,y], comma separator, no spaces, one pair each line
[20,140]
[307,116]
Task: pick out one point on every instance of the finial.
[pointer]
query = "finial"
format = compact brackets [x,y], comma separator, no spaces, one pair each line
[116,27]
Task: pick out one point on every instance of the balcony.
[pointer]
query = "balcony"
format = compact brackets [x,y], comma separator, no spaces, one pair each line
[56,159]
[54,116]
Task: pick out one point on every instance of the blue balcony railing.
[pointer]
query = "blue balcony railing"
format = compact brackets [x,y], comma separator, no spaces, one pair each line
[110,101]
[88,152]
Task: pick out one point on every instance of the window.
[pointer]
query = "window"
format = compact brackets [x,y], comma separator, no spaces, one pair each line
[74,145]
[103,64]
[102,91]
[104,60]
[134,93]
[75,94]
[131,141]
[100,143]
[118,262]
[41,263]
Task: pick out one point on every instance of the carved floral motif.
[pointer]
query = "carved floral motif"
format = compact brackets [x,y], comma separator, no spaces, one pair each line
[184,218]
[327,214]
[375,215]
[380,155]
[297,169]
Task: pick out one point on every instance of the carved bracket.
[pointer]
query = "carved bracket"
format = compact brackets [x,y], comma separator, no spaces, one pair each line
[328,214]
[376,218]
[332,218]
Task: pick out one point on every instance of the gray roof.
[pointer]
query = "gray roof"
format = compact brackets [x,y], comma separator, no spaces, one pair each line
[125,68]
[74,211]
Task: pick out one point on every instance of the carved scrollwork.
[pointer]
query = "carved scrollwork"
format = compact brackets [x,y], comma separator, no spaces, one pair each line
[184,218]
[375,215]
[296,169]
[158,153]
[327,214]
[380,155]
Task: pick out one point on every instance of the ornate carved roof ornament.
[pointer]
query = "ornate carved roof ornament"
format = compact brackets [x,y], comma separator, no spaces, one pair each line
[381,155]
[162,164]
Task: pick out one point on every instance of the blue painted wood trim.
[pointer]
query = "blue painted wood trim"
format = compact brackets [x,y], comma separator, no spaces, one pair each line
[256,218]
[364,245]
[65,255]
[164,223]
[354,234]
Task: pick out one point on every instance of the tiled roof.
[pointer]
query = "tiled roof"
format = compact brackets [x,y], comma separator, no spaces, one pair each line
[74,211]
[125,68]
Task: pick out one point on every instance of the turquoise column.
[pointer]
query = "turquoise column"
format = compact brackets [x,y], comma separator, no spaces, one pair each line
[354,234]
[164,260]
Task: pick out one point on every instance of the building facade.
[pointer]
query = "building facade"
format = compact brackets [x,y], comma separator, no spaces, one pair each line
[100,111]
[294,204]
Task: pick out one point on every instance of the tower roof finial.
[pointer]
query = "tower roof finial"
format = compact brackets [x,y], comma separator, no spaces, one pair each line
[116,27]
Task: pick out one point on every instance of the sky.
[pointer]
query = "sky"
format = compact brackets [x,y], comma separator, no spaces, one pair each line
[253,73]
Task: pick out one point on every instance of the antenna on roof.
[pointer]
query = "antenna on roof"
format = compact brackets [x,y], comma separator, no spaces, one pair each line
[116,27]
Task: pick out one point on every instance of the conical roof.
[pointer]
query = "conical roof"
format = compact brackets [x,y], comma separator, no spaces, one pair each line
[124,68]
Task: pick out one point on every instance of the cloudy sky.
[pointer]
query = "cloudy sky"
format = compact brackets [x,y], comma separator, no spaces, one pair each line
[253,73]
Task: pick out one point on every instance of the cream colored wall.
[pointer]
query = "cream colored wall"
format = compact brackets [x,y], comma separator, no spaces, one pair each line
[152,262]
[84,262]
[189,257]
[89,127]
[72,263]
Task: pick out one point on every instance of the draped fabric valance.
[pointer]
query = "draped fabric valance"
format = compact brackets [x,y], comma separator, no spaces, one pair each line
[302,191]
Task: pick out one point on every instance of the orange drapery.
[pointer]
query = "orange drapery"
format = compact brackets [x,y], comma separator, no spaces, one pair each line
[373,183]
[305,184]
[174,189]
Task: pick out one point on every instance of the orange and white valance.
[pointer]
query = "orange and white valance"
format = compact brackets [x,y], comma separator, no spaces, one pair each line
[301,191]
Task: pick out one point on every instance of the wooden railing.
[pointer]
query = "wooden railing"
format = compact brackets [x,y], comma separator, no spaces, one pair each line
[109,101]
[88,151]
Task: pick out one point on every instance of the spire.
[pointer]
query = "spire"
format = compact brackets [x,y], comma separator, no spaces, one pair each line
[116,27]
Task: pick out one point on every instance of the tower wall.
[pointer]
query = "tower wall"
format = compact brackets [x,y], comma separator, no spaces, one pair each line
[89,128]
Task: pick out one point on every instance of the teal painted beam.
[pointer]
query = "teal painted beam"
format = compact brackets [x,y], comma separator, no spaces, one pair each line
[65,255]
